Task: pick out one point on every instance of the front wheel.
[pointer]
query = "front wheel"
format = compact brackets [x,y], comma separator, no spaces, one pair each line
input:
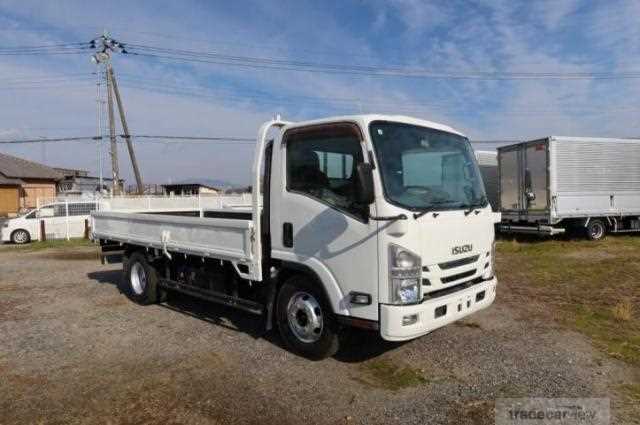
[305,320]
[20,237]
[596,230]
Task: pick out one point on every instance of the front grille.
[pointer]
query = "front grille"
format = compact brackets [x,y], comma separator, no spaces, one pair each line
[458,276]
[458,263]
[452,289]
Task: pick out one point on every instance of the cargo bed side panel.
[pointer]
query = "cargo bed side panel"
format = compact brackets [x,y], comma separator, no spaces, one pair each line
[596,177]
[228,239]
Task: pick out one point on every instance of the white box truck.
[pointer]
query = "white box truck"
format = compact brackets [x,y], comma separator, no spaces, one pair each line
[374,221]
[554,184]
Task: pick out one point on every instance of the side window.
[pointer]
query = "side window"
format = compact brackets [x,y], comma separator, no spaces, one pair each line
[321,163]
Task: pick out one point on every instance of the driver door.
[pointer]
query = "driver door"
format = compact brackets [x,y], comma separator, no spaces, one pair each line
[317,220]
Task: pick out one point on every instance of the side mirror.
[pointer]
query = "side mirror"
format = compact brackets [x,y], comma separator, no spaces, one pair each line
[365,184]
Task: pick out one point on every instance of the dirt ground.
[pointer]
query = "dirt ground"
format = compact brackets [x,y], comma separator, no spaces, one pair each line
[75,350]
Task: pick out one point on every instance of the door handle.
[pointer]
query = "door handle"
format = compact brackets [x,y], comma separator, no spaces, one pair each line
[287,235]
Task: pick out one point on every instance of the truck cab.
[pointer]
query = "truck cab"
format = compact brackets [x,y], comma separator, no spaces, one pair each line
[374,221]
[414,254]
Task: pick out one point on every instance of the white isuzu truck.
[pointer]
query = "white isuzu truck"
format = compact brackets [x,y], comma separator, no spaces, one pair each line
[372,221]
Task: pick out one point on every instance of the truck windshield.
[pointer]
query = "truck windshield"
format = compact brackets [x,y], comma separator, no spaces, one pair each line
[424,169]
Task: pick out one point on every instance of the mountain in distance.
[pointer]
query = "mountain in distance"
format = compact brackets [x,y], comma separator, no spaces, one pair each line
[218,184]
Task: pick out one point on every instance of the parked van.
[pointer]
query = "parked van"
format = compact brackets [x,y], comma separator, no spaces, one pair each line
[61,220]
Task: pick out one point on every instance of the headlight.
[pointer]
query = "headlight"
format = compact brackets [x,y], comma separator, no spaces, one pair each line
[405,271]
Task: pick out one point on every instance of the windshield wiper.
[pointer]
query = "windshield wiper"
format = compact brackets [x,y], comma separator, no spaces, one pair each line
[428,210]
[420,214]
[478,203]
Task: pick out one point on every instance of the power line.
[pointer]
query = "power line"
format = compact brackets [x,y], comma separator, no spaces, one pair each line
[50,53]
[176,138]
[348,104]
[234,140]
[307,66]
[46,46]
[49,49]
[195,138]
[45,140]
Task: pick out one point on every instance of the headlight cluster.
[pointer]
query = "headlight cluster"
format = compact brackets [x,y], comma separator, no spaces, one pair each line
[405,271]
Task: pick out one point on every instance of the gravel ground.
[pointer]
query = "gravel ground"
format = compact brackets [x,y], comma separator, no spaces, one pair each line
[75,350]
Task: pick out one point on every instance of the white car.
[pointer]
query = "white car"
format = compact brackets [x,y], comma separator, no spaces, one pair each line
[61,220]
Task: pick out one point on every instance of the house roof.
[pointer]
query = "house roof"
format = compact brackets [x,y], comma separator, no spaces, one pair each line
[17,168]
[10,182]
[71,172]
[194,184]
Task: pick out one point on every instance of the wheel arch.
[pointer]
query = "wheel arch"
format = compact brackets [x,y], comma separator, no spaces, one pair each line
[288,269]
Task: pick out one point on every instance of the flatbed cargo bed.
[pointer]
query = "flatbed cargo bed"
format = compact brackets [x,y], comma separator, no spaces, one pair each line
[211,236]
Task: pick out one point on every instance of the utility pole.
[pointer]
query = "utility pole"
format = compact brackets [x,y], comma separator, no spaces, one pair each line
[99,128]
[112,135]
[106,46]
[125,130]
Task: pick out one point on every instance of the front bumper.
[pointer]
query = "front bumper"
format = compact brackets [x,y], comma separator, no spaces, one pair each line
[430,312]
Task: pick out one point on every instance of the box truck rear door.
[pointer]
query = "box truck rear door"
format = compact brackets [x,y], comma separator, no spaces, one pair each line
[536,177]
[510,190]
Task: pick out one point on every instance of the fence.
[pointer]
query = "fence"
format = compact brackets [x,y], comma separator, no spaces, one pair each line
[63,219]
[67,217]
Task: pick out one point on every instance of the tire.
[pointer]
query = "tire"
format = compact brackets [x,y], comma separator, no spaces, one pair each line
[305,320]
[20,237]
[596,230]
[141,280]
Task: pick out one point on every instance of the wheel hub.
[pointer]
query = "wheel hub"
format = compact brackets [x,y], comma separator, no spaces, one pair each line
[304,315]
[138,278]
[596,231]
[21,236]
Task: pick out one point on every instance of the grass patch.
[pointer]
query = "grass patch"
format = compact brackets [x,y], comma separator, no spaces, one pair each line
[384,374]
[57,243]
[467,324]
[631,391]
[591,287]
[623,311]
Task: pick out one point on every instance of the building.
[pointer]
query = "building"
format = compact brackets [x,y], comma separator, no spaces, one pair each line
[182,189]
[79,182]
[149,189]
[22,182]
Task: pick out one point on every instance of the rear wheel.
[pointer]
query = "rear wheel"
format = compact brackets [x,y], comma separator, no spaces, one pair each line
[20,237]
[305,320]
[596,230]
[141,279]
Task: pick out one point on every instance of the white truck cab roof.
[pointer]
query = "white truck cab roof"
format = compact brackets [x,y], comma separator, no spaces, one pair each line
[365,119]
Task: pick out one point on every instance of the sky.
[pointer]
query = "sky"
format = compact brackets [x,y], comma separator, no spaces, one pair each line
[55,96]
